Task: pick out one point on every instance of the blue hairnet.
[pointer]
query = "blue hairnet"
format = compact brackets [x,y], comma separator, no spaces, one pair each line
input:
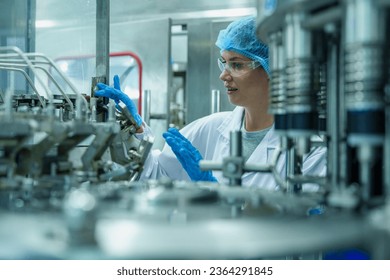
[240,37]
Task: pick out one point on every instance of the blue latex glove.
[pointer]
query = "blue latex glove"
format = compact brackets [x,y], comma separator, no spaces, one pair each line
[117,95]
[188,155]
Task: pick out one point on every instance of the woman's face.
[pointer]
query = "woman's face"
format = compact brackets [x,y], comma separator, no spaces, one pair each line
[248,89]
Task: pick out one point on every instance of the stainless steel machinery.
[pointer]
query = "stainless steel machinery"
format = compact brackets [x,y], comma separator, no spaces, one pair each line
[69,163]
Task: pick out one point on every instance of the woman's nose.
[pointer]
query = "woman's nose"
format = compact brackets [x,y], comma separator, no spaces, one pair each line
[225,76]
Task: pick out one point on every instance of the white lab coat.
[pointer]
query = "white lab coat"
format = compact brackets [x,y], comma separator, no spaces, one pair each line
[210,135]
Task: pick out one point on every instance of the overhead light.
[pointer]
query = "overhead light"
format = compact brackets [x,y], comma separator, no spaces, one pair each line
[44,23]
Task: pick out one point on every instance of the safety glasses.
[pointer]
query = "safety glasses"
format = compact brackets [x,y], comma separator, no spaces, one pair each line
[237,68]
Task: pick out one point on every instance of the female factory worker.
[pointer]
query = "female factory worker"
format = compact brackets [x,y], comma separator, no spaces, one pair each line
[245,74]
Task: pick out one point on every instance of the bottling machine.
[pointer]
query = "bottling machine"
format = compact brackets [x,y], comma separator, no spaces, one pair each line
[70,162]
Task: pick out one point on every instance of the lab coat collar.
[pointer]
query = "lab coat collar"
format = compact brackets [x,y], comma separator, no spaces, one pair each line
[231,123]
[263,151]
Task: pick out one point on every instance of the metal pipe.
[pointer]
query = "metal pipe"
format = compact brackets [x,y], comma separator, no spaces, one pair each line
[103,38]
[215,101]
[31,83]
[103,43]
[51,78]
[320,20]
[59,88]
[147,102]
[64,77]
[235,144]
[8,97]
[233,166]
[52,64]
[365,79]
[278,98]
[335,124]
[31,67]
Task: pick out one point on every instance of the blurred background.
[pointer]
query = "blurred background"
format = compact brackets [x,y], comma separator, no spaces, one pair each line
[62,198]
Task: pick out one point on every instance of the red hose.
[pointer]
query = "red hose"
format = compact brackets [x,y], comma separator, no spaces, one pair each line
[125,53]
